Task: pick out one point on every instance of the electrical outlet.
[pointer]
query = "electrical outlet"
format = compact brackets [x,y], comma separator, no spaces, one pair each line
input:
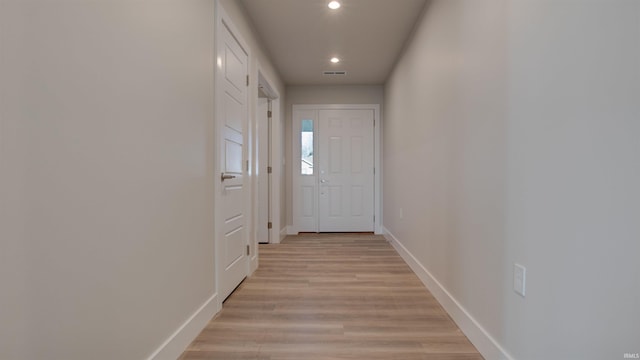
[519,278]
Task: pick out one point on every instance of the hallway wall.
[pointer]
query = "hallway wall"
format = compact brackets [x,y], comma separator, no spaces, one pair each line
[510,135]
[106,156]
[107,167]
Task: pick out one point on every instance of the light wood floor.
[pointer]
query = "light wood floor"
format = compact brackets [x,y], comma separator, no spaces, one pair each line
[331,296]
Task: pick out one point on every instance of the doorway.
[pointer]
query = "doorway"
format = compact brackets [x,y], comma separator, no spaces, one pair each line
[335,185]
[267,102]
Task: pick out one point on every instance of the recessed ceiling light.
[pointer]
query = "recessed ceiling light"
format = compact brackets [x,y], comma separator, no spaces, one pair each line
[334,5]
[335,60]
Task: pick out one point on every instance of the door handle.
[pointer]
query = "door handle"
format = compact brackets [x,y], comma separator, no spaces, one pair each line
[324,181]
[224,177]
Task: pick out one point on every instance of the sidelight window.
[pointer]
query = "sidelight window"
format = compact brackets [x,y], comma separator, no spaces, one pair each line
[306,147]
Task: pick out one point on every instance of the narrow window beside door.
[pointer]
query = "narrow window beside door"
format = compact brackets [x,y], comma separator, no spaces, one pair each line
[306,147]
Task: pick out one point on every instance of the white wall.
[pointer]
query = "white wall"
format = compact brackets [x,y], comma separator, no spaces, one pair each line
[322,94]
[511,136]
[444,152]
[106,155]
[573,173]
[106,159]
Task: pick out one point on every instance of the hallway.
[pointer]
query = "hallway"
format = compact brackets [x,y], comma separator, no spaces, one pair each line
[506,146]
[329,296]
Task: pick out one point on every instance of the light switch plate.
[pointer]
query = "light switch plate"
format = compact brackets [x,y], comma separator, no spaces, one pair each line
[519,279]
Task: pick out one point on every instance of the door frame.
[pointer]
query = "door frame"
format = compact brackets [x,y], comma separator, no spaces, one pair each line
[274,153]
[377,151]
[224,20]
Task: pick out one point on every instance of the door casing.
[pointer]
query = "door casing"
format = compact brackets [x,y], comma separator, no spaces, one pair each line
[267,151]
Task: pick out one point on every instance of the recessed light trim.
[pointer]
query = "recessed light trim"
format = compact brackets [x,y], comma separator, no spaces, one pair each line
[334,5]
[335,60]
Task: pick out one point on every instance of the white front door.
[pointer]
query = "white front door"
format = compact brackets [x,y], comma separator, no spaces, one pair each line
[232,225]
[346,171]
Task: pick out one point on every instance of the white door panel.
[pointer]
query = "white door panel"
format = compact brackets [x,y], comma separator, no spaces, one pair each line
[346,161]
[232,227]
[308,203]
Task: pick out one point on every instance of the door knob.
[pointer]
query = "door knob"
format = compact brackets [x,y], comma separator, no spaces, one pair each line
[324,181]
[224,177]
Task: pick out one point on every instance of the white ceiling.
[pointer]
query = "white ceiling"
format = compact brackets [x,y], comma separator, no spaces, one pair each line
[302,35]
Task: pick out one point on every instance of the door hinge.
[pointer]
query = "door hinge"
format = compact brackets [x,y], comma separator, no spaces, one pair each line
[248,250]
[247,164]
[269,113]
[269,169]
[247,80]
[269,225]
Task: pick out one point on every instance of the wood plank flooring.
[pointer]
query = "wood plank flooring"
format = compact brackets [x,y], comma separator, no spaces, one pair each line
[331,296]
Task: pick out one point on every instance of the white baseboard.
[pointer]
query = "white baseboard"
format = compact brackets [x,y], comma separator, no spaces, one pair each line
[283,233]
[479,337]
[175,345]
[291,230]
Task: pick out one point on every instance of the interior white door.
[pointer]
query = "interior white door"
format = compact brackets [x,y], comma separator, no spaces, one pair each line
[232,227]
[346,164]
